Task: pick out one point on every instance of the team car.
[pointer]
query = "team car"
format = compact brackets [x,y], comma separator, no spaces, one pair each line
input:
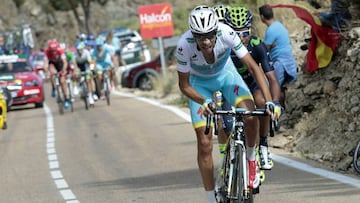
[141,75]
[24,84]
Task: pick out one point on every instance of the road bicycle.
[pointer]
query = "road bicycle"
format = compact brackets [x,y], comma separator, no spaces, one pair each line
[355,154]
[356,157]
[233,181]
[84,89]
[106,85]
[69,91]
[60,97]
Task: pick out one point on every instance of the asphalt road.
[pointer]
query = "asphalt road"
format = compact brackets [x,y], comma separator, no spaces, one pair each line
[131,151]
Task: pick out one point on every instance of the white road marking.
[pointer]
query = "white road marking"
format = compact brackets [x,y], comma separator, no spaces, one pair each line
[54,164]
[285,161]
[318,171]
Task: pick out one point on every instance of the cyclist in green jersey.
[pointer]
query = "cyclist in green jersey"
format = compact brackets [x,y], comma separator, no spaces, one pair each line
[71,69]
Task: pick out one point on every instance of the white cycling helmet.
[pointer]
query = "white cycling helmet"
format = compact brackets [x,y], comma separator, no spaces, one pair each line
[203,19]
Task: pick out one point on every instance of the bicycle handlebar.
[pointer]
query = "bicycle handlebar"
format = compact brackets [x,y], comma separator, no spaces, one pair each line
[235,112]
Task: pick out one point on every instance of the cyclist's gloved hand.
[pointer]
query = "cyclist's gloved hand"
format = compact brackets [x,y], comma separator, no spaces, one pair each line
[207,107]
[278,110]
[270,108]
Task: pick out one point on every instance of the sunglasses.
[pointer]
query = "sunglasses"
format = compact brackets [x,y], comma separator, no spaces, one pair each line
[245,33]
[203,37]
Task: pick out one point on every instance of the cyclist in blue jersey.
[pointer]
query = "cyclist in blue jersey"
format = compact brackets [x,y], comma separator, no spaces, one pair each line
[101,57]
[204,66]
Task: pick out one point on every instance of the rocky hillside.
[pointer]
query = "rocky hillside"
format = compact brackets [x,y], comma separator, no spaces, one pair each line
[322,121]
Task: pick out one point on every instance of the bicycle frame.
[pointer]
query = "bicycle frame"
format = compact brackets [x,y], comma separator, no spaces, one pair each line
[235,176]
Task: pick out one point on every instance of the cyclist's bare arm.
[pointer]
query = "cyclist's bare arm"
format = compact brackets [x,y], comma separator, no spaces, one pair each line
[274,85]
[258,74]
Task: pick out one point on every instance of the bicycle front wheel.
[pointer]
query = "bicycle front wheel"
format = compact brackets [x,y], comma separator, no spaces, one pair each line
[107,90]
[84,93]
[240,188]
[70,95]
[59,99]
[356,158]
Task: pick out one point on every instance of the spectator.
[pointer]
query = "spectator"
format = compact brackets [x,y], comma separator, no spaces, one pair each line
[277,42]
[337,17]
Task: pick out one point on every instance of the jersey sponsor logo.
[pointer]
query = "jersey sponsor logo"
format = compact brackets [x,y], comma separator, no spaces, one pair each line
[180,51]
[255,41]
[194,57]
[236,90]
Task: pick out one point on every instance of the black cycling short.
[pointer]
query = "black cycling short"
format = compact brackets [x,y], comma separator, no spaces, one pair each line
[58,65]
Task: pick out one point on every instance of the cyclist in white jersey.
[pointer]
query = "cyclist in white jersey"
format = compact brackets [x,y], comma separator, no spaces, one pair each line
[204,66]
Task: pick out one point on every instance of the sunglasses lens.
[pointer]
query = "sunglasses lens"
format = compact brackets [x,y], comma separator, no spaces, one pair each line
[209,35]
[243,33]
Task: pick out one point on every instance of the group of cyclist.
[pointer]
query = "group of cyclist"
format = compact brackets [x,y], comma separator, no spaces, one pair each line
[219,53]
[92,56]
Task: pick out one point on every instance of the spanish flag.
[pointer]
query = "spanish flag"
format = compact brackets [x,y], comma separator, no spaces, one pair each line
[323,42]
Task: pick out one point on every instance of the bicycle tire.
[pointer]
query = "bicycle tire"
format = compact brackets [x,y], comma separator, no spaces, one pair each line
[69,87]
[356,158]
[243,194]
[84,92]
[107,91]
[59,100]
[97,88]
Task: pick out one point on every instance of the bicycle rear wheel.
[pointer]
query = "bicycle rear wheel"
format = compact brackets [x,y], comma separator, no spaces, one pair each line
[356,158]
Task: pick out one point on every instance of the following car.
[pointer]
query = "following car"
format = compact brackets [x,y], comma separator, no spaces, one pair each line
[142,76]
[24,84]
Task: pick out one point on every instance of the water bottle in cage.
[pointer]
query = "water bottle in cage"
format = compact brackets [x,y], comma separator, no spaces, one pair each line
[218,98]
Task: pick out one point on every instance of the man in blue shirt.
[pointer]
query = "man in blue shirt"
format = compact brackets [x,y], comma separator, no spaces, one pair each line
[277,42]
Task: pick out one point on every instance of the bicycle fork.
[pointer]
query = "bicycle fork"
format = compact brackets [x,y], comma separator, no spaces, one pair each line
[237,148]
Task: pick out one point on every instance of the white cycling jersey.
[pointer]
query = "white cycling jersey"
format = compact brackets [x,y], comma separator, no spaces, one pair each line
[190,59]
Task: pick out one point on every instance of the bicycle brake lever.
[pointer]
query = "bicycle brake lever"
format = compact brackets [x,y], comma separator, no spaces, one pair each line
[208,122]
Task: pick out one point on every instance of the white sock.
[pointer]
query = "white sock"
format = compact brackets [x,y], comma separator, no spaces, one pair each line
[250,153]
[211,196]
